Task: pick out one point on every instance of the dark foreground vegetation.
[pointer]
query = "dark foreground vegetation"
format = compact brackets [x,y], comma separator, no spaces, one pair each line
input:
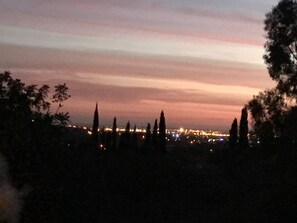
[186,185]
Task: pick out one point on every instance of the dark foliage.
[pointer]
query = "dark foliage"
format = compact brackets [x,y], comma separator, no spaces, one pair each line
[155,135]
[31,139]
[162,133]
[289,136]
[233,132]
[268,110]
[148,135]
[95,127]
[125,139]
[114,134]
[272,109]
[134,140]
[29,132]
[281,46]
[243,130]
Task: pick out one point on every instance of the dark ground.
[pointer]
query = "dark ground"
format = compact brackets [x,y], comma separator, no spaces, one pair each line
[190,184]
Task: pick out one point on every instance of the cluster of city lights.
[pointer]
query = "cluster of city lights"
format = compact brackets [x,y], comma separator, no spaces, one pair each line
[174,132]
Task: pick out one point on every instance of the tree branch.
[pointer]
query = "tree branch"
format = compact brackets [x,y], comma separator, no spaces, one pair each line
[295,57]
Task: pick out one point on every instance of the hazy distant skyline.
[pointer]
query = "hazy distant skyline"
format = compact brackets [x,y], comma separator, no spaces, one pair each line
[198,60]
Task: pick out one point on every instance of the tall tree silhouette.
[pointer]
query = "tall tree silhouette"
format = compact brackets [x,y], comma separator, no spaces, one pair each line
[243,129]
[134,139]
[270,109]
[162,132]
[233,132]
[95,136]
[127,130]
[147,135]
[125,138]
[155,134]
[114,134]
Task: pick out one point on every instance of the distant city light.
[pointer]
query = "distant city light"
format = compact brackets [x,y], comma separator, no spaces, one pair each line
[189,136]
[178,132]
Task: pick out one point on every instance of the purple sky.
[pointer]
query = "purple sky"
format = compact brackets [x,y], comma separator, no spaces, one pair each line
[198,60]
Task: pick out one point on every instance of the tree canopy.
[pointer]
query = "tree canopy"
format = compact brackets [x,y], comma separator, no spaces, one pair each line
[28,127]
[281,46]
[272,109]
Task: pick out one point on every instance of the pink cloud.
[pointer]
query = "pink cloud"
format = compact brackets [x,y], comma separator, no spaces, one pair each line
[67,64]
[130,17]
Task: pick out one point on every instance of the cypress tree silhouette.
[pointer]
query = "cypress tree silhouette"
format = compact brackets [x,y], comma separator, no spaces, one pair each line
[155,134]
[114,134]
[147,135]
[162,133]
[125,138]
[108,141]
[233,132]
[243,129]
[95,127]
[134,139]
[127,130]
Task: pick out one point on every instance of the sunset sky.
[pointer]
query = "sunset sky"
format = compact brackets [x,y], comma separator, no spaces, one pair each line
[198,60]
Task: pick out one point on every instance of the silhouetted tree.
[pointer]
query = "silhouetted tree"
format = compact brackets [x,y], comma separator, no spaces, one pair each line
[162,133]
[281,46]
[31,140]
[147,135]
[114,134]
[243,129]
[289,134]
[127,132]
[155,134]
[233,132]
[134,139]
[108,141]
[95,126]
[27,132]
[270,109]
[125,138]
[102,137]
[61,95]
[266,134]
[267,107]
